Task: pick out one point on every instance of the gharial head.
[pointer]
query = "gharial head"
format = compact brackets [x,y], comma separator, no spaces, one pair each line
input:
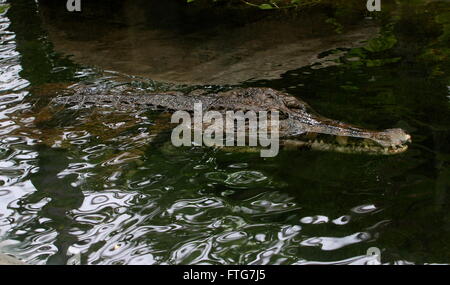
[329,135]
[301,126]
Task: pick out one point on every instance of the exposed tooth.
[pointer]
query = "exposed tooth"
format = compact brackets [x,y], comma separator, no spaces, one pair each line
[311,136]
[342,140]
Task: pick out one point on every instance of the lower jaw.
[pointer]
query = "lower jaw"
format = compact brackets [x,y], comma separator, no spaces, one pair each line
[294,144]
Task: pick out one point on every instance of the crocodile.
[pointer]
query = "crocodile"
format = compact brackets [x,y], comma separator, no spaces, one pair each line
[299,125]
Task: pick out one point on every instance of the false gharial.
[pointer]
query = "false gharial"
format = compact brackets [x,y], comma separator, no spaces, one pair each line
[299,125]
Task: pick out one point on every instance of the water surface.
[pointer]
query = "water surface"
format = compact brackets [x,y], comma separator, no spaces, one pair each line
[109,185]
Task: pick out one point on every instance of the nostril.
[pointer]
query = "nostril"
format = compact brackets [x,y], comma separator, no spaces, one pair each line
[408,138]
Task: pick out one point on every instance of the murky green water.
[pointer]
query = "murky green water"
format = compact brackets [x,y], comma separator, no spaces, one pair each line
[105,184]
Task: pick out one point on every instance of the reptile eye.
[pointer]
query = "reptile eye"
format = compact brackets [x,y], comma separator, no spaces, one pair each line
[283,115]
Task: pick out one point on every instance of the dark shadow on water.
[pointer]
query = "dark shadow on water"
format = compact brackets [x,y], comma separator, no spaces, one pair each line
[63,198]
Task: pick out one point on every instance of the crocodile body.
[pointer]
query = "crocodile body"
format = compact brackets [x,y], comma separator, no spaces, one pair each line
[300,126]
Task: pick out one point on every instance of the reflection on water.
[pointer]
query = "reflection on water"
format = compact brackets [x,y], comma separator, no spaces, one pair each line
[110,186]
[211,47]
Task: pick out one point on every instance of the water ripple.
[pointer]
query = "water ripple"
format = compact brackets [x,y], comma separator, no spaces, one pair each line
[110,186]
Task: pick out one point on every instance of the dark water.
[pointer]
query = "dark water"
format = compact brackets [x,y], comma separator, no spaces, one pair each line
[106,185]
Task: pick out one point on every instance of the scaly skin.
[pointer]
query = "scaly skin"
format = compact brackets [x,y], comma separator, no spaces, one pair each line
[299,126]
